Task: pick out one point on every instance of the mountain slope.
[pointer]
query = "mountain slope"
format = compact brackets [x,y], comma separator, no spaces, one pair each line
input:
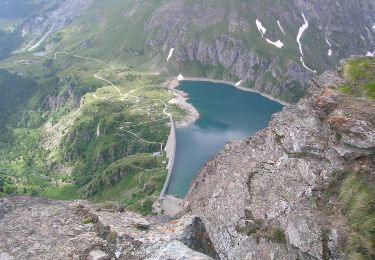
[225,33]
[220,39]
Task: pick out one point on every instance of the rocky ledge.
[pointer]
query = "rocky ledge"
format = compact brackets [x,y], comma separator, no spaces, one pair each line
[277,195]
[36,228]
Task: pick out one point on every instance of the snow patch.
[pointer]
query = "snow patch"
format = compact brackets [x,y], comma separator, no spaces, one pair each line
[278,43]
[369,35]
[281,28]
[299,36]
[261,28]
[304,65]
[330,47]
[170,54]
[300,33]
[370,54]
[98,130]
[180,77]
[238,83]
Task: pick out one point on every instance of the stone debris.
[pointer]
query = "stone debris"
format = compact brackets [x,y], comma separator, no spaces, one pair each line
[38,228]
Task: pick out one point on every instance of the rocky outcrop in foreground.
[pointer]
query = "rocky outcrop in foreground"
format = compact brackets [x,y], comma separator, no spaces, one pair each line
[36,228]
[276,195]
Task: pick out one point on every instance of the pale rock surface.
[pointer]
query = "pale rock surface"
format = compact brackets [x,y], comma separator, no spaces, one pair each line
[98,255]
[37,228]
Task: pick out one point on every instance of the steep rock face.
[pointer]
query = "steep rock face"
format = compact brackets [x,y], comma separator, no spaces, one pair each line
[39,28]
[36,228]
[225,33]
[67,95]
[266,197]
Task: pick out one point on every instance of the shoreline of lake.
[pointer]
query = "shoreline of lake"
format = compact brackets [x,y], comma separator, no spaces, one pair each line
[286,104]
[193,114]
[180,99]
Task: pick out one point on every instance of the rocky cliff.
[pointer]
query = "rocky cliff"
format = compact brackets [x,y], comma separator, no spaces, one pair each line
[292,190]
[37,29]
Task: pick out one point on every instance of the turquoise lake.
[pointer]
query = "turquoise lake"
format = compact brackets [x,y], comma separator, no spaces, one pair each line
[226,113]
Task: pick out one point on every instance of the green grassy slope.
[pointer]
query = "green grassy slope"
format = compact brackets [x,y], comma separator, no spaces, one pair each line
[357,195]
[103,152]
[107,32]
[359,75]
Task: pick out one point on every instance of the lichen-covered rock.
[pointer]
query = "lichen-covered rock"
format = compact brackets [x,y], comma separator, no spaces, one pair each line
[269,197]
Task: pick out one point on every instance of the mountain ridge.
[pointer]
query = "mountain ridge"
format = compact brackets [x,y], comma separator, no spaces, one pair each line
[221,42]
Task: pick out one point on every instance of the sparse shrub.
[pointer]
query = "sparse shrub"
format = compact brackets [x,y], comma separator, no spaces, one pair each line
[107,205]
[345,89]
[370,89]
[9,189]
[87,220]
[279,139]
[338,137]
[277,235]
[112,236]
[251,227]
[325,243]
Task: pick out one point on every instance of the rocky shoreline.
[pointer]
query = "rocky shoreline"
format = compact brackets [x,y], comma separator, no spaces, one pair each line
[181,100]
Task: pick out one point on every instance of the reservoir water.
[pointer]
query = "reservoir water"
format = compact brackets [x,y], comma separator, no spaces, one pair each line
[226,113]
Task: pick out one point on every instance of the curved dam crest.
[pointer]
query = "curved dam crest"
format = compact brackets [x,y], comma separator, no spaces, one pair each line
[226,113]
